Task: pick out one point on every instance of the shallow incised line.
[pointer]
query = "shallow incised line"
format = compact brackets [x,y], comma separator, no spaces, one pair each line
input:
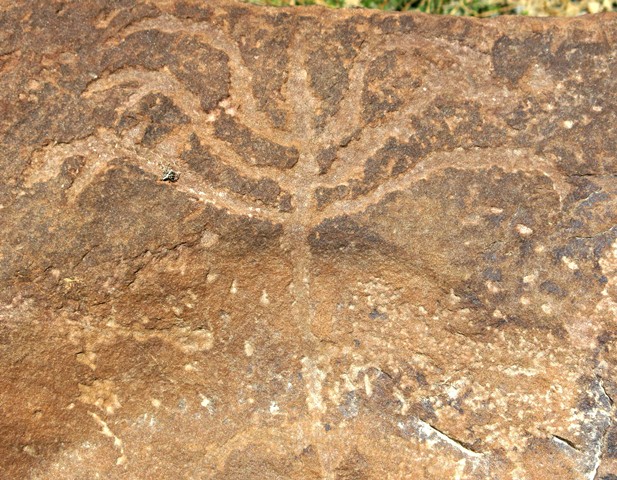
[240,88]
[435,163]
[167,84]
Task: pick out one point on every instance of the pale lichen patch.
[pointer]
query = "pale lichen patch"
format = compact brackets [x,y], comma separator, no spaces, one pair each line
[571,264]
[368,388]
[264,299]
[209,239]
[87,358]
[207,404]
[523,229]
[515,370]
[29,450]
[402,400]
[313,377]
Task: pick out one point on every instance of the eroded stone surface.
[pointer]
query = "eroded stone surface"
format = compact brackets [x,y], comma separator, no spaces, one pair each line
[391,251]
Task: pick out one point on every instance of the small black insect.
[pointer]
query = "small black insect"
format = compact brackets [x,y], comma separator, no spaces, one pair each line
[170,175]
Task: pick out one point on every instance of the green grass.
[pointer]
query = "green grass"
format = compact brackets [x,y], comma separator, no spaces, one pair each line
[477,8]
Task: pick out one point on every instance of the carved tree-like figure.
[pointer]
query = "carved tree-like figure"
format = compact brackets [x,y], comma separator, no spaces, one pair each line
[411,209]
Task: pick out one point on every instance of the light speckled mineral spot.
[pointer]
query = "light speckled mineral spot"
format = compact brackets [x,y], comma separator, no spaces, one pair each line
[389,250]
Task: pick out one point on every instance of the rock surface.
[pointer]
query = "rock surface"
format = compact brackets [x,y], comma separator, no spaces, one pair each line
[391,251]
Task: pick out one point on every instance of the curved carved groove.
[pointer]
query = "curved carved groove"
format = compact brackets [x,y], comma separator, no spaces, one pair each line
[440,160]
[164,83]
[240,87]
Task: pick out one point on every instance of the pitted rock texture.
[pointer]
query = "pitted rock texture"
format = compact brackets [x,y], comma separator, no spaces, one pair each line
[391,251]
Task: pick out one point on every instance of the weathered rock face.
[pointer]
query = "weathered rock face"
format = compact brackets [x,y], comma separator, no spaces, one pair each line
[391,251]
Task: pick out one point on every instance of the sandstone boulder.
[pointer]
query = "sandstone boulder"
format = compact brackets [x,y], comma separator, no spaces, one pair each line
[250,243]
